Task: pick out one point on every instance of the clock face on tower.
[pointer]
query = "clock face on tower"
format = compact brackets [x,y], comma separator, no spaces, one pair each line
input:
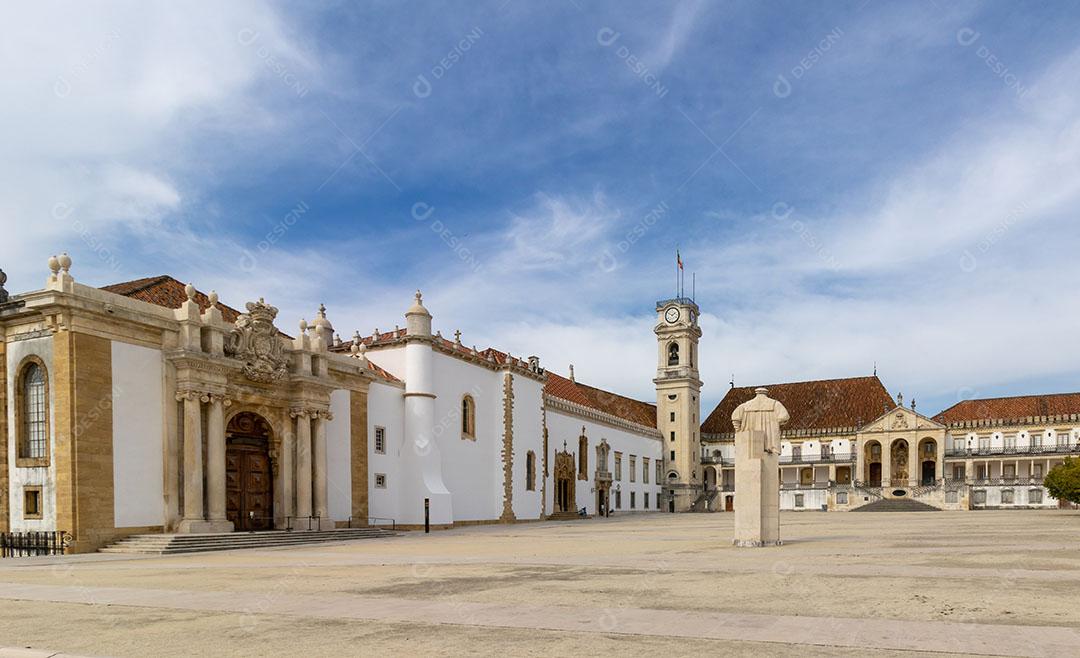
[672,315]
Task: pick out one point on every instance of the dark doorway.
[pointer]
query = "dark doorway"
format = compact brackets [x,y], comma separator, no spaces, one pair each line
[928,472]
[875,475]
[249,492]
[729,503]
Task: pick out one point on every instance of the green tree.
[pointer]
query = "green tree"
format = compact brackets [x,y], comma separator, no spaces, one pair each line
[1063,481]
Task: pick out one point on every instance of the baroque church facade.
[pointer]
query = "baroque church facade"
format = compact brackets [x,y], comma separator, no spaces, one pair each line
[151,407]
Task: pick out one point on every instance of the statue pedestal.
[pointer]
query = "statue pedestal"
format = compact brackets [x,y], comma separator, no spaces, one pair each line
[757,493]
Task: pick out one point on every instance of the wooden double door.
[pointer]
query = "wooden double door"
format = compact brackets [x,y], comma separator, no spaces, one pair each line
[249,493]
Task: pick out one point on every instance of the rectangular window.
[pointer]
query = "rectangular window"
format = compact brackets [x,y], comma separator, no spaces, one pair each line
[978,497]
[798,500]
[1035,496]
[981,470]
[673,416]
[633,500]
[984,443]
[841,498]
[1036,441]
[645,472]
[32,503]
[958,472]
[380,480]
[618,500]
[1036,471]
[1010,443]
[673,436]
[952,496]
[618,466]
[1006,496]
[673,455]
[633,468]
[659,472]
[380,440]
[1009,471]
[646,505]
[1062,440]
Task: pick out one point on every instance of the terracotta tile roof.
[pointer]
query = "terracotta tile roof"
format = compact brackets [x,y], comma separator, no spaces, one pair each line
[168,292]
[815,405]
[634,411]
[1024,406]
[375,368]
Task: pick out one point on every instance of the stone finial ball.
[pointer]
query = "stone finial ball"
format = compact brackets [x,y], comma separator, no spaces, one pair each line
[303,326]
[189,290]
[213,296]
[65,261]
[3,278]
[54,264]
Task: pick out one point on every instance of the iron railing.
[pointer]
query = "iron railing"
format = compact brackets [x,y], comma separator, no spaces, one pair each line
[1048,449]
[827,458]
[27,544]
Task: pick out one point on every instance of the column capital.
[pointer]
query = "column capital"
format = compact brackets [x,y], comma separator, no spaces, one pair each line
[324,415]
[192,395]
[299,412]
[220,398]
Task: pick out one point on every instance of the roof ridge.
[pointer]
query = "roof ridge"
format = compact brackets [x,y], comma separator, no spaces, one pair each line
[818,381]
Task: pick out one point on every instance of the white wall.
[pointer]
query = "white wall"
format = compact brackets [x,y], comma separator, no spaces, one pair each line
[565,427]
[528,435]
[21,477]
[471,469]
[339,456]
[138,421]
[386,408]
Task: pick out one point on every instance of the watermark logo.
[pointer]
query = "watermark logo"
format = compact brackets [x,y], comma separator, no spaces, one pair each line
[968,37]
[422,212]
[607,37]
[250,37]
[423,87]
[783,87]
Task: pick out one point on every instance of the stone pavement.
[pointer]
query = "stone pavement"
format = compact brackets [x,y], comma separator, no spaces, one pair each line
[1001,584]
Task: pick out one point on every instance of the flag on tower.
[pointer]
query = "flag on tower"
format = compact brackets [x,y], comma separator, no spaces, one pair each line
[678,259]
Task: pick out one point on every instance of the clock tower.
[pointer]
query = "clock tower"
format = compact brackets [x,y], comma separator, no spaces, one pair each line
[678,402]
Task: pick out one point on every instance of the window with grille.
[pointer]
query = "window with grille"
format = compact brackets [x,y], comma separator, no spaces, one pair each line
[35,410]
[380,440]
[380,480]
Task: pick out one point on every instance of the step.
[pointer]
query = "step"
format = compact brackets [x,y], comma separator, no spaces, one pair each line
[896,505]
[193,543]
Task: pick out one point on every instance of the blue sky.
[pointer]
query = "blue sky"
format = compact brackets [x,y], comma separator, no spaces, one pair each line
[852,182]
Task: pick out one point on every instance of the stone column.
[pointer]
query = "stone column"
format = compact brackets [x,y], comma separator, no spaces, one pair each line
[215,463]
[322,509]
[193,520]
[288,472]
[914,463]
[303,469]
[886,463]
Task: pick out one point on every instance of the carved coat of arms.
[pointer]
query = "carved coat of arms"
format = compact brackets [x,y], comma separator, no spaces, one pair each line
[255,341]
[900,421]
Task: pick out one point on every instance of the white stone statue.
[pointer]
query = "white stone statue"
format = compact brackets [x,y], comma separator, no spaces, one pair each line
[757,477]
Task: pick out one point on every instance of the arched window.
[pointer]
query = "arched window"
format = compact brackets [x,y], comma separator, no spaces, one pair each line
[33,413]
[673,354]
[583,456]
[468,418]
[530,471]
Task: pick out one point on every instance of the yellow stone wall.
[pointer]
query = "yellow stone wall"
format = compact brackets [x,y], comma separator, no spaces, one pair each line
[84,459]
[5,509]
[359,429]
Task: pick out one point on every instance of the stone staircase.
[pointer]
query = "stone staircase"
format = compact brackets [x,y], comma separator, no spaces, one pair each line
[705,502]
[896,505]
[198,543]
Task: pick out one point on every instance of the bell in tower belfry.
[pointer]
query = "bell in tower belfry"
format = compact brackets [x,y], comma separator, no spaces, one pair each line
[678,402]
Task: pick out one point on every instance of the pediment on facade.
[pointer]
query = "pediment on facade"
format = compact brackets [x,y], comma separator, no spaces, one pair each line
[899,419]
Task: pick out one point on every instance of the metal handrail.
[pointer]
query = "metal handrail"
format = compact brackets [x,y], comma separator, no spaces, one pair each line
[376,519]
[1049,449]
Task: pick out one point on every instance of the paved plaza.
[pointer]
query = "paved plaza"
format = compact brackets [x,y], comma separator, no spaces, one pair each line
[987,583]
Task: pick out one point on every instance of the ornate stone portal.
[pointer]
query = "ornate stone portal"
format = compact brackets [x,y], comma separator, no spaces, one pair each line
[757,479]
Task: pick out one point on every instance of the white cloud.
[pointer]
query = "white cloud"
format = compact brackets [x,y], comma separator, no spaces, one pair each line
[108,109]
